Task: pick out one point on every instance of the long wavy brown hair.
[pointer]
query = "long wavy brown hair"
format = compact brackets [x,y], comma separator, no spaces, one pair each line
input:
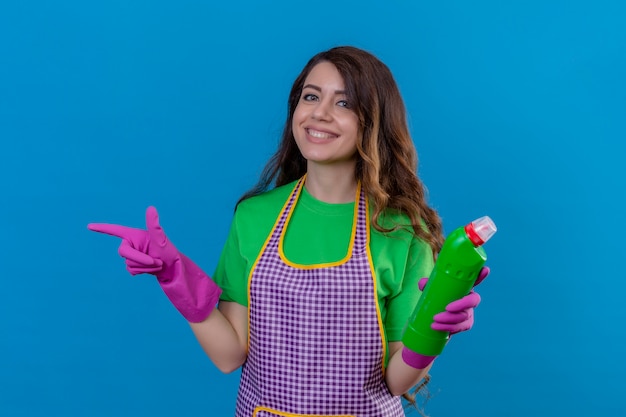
[386,155]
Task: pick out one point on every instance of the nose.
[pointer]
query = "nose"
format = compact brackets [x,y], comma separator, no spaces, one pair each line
[322,110]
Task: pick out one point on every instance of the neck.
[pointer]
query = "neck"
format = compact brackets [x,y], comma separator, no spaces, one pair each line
[333,185]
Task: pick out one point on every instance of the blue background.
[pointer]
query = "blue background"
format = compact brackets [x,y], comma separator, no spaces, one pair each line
[518,111]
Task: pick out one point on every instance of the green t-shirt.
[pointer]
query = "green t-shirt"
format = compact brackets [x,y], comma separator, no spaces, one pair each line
[319,232]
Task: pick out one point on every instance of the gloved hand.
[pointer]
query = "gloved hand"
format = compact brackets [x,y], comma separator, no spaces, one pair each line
[459,314]
[458,317]
[189,289]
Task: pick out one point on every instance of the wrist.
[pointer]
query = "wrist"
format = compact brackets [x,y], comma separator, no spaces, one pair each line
[193,293]
[416,360]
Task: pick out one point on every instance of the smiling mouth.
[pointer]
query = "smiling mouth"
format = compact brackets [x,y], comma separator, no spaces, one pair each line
[320,135]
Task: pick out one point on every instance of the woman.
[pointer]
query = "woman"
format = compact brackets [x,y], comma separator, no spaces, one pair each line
[321,266]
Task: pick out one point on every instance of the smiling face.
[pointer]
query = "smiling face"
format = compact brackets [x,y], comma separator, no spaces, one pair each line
[325,127]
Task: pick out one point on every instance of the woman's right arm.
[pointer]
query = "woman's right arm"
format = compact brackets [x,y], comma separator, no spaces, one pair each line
[224,335]
[222,332]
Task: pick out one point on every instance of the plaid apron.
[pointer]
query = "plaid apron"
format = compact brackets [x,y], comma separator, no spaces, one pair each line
[316,343]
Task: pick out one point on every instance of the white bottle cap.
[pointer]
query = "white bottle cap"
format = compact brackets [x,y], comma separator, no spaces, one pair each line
[480,230]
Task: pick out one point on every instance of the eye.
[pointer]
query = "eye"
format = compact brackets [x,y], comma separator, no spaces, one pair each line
[309,97]
[344,103]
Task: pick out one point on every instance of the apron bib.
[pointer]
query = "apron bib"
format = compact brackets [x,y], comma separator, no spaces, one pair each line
[316,344]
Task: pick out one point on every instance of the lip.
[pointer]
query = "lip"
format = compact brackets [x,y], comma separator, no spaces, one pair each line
[332,135]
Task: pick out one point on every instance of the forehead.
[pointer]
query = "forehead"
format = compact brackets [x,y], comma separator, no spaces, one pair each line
[325,74]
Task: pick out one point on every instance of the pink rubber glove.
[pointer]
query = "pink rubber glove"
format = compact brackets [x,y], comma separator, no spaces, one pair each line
[459,314]
[458,317]
[149,251]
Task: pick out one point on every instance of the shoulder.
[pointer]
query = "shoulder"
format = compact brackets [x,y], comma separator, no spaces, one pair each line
[265,206]
[401,236]
[398,222]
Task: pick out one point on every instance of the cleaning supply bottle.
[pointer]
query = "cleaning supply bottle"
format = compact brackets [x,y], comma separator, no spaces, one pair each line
[453,276]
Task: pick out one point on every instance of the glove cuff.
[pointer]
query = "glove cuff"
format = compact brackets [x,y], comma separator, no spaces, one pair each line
[191,291]
[416,360]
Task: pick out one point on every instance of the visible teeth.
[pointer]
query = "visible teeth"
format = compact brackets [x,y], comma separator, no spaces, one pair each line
[320,135]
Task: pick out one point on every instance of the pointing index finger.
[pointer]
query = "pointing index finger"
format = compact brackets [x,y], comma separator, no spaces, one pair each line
[117,230]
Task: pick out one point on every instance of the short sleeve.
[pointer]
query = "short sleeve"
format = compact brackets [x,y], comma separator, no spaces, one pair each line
[230,273]
[419,264]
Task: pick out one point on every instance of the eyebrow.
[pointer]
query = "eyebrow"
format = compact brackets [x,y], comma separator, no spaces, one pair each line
[314,87]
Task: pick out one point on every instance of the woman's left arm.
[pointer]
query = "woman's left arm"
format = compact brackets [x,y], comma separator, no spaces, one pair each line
[407,368]
[399,376]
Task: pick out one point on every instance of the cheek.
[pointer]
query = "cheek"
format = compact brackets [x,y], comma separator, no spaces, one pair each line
[297,118]
[352,125]
[294,126]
